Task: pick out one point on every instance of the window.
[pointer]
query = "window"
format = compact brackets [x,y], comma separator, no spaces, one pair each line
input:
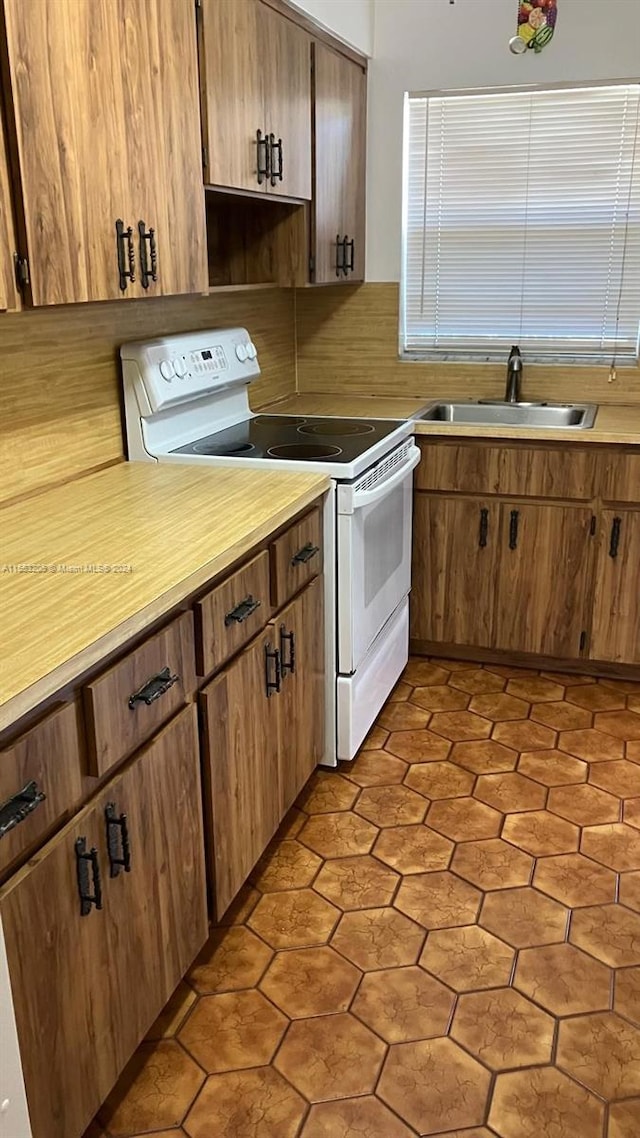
[521,224]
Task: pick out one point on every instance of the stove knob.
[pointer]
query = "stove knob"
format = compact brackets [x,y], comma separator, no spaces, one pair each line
[180,366]
[251,350]
[241,352]
[166,370]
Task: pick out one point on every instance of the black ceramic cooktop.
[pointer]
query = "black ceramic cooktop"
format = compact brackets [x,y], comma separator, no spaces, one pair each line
[294,437]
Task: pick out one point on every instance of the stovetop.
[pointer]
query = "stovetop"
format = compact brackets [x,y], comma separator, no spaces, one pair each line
[294,437]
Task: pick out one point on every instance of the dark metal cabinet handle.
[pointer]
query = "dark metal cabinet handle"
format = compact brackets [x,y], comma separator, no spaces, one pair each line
[614,541]
[147,274]
[341,266]
[305,554]
[290,639]
[153,688]
[240,613]
[272,685]
[351,246]
[513,529]
[125,257]
[84,859]
[262,168]
[484,528]
[276,170]
[19,806]
[118,846]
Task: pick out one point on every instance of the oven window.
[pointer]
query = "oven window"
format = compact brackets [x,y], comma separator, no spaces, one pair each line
[383,540]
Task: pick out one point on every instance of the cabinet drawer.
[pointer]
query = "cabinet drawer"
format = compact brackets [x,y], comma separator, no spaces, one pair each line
[127,704]
[620,475]
[521,470]
[40,782]
[231,614]
[296,557]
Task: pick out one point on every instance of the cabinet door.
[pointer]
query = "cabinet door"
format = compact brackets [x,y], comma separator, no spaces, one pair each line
[454,564]
[9,295]
[299,630]
[544,570]
[232,63]
[339,109]
[286,61]
[616,616]
[241,791]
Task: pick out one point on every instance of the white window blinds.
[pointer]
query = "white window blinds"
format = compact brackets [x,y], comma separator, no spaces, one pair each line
[522,224]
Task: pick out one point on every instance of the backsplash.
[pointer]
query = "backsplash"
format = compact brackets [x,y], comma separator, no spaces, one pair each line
[348,345]
[60,375]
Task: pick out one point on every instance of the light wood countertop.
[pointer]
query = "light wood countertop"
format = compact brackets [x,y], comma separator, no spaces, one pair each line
[169,529]
[350,406]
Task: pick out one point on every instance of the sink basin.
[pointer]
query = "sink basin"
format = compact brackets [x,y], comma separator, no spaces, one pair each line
[566,416]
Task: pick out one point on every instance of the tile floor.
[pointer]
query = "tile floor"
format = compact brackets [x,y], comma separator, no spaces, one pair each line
[443,940]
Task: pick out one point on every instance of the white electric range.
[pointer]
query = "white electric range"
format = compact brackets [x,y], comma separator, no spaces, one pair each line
[186,400]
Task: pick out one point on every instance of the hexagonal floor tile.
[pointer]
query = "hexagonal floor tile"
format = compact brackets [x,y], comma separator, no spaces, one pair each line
[438,900]
[575,880]
[356,882]
[628,687]
[624,1119]
[524,735]
[484,756]
[403,716]
[492,864]
[585,805]
[630,890]
[561,716]
[563,979]
[440,697]
[609,932]
[524,917]
[375,768]
[464,819]
[422,673]
[287,865]
[503,1029]
[326,792]
[498,706]
[632,749]
[552,768]
[413,849]
[620,724]
[567,679]
[618,777]
[615,845]
[375,740]
[631,812]
[468,958]
[310,982]
[297,919]
[478,682]
[403,1004]
[330,1057]
[440,780]
[350,1117]
[509,792]
[290,825]
[338,835]
[391,805]
[595,697]
[232,958]
[434,1085]
[154,1091]
[400,692]
[591,745]
[246,1104]
[378,938]
[460,725]
[418,746]
[240,908]
[543,1101]
[174,1013]
[601,1051]
[232,1031]
[535,689]
[626,998]
[540,833]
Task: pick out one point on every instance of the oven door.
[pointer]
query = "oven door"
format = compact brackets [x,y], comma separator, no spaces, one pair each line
[374,551]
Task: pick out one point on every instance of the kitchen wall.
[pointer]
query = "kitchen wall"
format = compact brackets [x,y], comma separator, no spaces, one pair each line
[350,20]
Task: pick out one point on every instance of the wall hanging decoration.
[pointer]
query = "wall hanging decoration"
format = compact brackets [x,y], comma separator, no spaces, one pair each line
[536,23]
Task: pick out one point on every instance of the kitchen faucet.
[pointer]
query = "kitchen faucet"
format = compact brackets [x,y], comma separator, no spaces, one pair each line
[514,376]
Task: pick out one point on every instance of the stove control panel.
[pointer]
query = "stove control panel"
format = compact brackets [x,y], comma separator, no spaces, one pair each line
[180,368]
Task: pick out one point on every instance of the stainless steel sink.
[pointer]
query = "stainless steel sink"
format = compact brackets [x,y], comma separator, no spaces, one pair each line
[565,416]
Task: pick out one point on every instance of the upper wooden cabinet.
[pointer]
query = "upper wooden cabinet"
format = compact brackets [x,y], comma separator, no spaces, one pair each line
[338,216]
[9,295]
[256,99]
[104,99]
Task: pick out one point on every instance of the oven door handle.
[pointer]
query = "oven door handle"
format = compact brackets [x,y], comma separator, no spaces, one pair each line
[363,498]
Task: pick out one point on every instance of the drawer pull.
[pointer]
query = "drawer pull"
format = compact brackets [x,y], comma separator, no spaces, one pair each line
[513,529]
[118,846]
[239,614]
[305,554]
[614,541]
[147,273]
[17,808]
[290,638]
[484,528]
[153,688]
[272,685]
[84,859]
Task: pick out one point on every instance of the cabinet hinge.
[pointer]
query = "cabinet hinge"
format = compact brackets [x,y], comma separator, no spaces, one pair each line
[21,267]
[198,4]
[312,265]
[205,157]
[592,527]
[583,640]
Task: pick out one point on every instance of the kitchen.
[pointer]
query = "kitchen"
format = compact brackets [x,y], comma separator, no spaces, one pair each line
[371,888]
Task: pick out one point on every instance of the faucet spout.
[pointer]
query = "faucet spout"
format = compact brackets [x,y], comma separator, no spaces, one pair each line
[514,375]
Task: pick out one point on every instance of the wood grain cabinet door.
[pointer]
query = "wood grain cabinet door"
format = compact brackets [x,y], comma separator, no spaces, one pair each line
[454,569]
[339,117]
[544,574]
[285,59]
[616,615]
[9,295]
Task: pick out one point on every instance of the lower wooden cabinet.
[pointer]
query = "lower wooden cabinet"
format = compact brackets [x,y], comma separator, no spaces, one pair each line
[616,615]
[102,924]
